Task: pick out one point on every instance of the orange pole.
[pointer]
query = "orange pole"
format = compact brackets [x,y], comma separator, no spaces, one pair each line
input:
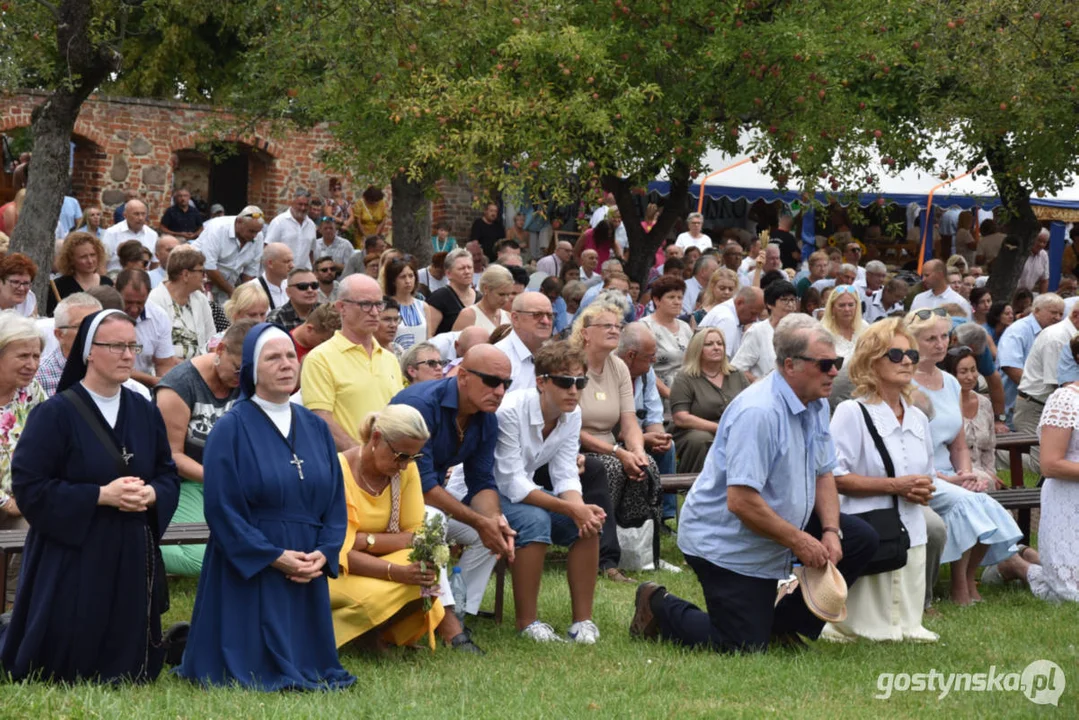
[704,180]
[927,231]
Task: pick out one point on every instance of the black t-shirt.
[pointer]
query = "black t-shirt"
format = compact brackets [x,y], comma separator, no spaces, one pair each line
[488,235]
[67,285]
[178,221]
[445,300]
[789,253]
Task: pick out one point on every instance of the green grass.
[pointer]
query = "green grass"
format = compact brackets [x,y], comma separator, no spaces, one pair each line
[623,678]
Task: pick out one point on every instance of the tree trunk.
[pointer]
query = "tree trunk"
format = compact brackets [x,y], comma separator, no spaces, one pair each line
[1023,226]
[642,245]
[410,222]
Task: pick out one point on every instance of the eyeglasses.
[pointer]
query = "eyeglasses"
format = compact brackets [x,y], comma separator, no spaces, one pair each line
[492,381]
[400,457]
[927,313]
[23,284]
[787,300]
[366,305]
[567,381]
[538,314]
[609,326]
[433,364]
[198,271]
[960,351]
[118,348]
[896,355]
[305,286]
[824,364]
[840,289]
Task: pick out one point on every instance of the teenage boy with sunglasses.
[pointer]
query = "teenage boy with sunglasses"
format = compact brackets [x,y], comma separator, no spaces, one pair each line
[766,498]
[460,415]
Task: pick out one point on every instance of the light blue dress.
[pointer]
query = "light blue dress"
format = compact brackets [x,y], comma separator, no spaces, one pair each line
[970,517]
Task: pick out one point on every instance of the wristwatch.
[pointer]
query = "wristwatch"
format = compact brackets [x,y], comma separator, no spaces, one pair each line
[370,541]
[837,531]
[1001,417]
[615,449]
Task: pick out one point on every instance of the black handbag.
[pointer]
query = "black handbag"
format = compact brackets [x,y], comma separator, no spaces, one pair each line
[894,540]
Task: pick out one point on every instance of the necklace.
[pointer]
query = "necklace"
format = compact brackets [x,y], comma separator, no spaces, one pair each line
[460,428]
[290,441]
[358,472]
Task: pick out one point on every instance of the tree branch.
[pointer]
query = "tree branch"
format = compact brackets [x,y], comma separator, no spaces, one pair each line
[50,7]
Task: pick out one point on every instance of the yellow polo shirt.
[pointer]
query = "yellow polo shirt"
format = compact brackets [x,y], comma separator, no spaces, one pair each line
[339,377]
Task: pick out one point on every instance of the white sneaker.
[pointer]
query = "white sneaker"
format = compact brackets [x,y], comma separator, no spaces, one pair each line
[584,632]
[541,632]
[668,567]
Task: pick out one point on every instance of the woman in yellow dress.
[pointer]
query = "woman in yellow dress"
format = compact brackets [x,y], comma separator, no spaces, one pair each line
[376,595]
[370,213]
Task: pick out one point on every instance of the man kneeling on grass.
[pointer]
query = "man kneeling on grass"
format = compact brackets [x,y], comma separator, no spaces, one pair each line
[766,497]
[538,478]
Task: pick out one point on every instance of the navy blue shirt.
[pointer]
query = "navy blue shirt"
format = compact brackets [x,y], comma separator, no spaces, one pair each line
[177,220]
[437,402]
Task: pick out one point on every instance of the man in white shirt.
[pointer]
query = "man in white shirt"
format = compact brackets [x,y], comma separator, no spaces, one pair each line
[532,320]
[938,294]
[276,265]
[600,213]
[295,229]
[162,249]
[132,227]
[735,315]
[852,255]
[1035,275]
[232,246]
[702,270]
[329,243]
[886,301]
[873,279]
[694,237]
[551,265]
[153,329]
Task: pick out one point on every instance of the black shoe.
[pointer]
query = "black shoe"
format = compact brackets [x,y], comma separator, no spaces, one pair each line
[792,641]
[484,614]
[463,643]
[174,641]
[644,624]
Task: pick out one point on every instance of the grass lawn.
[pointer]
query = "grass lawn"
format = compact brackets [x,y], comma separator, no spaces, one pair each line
[620,678]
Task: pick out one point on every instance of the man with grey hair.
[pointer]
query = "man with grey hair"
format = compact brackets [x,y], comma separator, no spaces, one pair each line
[735,315]
[294,228]
[132,227]
[694,236]
[232,245]
[1035,274]
[765,498]
[533,320]
[277,263]
[876,273]
[886,301]
[702,270]
[1017,342]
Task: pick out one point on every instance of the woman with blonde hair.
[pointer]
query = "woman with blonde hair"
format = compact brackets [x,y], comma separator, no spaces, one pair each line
[721,287]
[980,531]
[82,256]
[496,287]
[700,393]
[887,605]
[607,402]
[248,302]
[842,318]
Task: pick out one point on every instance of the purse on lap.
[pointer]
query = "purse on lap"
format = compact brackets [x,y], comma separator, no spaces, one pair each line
[894,540]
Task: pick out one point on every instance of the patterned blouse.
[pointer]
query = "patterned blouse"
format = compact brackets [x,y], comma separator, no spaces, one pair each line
[12,421]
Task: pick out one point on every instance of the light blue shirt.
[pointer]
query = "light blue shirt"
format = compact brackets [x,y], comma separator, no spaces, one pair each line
[592,293]
[1067,369]
[70,215]
[778,447]
[1012,351]
[646,397]
[561,315]
[947,421]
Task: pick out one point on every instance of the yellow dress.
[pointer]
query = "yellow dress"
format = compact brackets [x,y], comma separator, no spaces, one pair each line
[361,603]
[369,218]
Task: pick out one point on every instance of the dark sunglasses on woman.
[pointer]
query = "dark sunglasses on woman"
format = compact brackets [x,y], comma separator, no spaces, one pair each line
[896,355]
[567,381]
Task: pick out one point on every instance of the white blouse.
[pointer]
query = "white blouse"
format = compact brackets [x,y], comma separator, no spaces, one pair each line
[910,448]
[280,414]
[109,406]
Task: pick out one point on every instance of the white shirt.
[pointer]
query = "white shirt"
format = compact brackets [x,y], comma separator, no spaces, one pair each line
[1040,369]
[523,370]
[598,215]
[278,293]
[521,448]
[280,414]
[689,298]
[432,283]
[819,285]
[591,280]
[340,250]
[686,241]
[724,317]
[119,234]
[928,300]
[300,237]
[756,353]
[200,320]
[875,310]
[1035,269]
[153,330]
[219,244]
[909,446]
[109,406]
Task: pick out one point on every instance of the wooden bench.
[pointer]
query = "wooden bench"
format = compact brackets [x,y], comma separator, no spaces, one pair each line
[12,542]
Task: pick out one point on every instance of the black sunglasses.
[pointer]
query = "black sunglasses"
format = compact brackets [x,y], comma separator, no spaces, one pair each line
[896,355]
[960,351]
[567,381]
[926,314]
[825,364]
[433,364]
[492,381]
[306,286]
[401,457]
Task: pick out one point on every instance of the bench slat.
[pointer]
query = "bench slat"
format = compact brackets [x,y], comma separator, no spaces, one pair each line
[12,541]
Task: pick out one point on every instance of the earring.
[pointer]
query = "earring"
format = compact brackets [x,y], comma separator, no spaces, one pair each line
[217,360]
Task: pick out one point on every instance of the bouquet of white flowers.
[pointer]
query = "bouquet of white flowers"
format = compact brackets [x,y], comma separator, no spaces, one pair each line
[429,549]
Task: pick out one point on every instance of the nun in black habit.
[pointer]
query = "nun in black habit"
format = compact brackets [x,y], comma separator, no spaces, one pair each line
[94,476]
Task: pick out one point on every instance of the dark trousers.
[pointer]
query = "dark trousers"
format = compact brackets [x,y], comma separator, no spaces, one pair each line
[667,466]
[740,613]
[594,492]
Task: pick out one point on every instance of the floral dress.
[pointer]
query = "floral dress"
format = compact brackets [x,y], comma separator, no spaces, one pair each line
[12,421]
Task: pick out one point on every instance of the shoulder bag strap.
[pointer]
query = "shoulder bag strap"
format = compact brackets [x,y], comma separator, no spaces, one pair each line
[879,442]
[105,438]
[266,289]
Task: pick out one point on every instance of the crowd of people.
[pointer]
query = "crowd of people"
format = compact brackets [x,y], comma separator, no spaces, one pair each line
[315,404]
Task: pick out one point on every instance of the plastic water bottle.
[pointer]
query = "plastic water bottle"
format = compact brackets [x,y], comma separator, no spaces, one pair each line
[457,587]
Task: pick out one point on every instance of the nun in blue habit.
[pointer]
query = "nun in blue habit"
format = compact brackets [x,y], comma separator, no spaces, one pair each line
[274,501]
[94,476]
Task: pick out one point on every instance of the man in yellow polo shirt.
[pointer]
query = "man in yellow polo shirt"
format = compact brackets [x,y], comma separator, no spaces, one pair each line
[351,375]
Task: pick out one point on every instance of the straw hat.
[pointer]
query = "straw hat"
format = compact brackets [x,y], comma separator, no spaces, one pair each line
[824,591]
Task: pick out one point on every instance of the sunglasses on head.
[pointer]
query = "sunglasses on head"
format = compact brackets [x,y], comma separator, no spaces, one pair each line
[839,290]
[896,355]
[305,286]
[825,364]
[926,314]
[960,351]
[492,381]
[567,381]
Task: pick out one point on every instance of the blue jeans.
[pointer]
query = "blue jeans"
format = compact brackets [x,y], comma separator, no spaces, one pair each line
[666,464]
[536,525]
